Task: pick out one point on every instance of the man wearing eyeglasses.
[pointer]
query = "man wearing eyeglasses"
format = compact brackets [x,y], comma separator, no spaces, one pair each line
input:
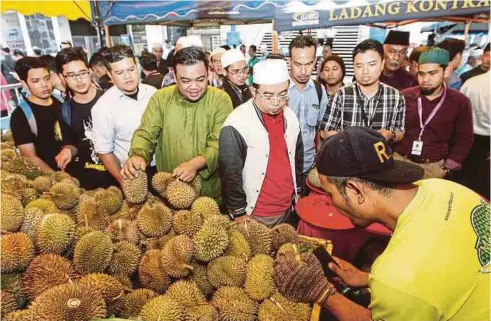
[76,110]
[236,72]
[261,153]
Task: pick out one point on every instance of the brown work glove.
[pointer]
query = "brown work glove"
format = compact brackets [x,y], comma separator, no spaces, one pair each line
[301,278]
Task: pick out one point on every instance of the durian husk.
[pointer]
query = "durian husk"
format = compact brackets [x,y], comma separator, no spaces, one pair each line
[17,251]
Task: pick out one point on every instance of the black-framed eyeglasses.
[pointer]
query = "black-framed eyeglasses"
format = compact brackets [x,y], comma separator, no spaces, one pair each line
[82,75]
[235,72]
[274,99]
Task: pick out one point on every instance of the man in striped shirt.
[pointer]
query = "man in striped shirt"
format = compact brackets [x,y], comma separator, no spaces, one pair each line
[368,102]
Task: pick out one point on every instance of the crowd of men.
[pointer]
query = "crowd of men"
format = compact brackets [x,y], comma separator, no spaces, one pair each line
[251,131]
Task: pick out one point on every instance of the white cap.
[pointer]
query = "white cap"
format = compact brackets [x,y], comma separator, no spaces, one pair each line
[231,56]
[477,53]
[270,72]
[192,41]
[218,51]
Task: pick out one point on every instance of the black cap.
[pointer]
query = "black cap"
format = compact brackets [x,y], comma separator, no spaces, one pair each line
[363,153]
[395,37]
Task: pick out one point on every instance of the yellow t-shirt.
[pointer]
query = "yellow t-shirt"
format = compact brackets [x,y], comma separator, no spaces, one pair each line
[436,265]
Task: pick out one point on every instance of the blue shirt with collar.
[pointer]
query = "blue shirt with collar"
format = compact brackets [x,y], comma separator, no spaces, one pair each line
[305,103]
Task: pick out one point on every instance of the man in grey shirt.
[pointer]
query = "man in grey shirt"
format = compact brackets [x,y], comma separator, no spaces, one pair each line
[307,98]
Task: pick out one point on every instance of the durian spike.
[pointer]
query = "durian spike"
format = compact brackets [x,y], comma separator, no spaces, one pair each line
[278,305]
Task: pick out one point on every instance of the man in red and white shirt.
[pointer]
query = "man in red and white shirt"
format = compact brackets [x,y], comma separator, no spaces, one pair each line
[261,152]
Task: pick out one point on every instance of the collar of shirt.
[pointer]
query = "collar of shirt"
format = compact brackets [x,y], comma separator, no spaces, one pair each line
[377,94]
[142,92]
[309,84]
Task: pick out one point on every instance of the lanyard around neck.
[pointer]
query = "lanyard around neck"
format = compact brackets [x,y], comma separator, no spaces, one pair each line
[433,113]
[367,121]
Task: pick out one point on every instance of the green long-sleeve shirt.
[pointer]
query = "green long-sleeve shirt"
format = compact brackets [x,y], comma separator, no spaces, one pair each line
[179,130]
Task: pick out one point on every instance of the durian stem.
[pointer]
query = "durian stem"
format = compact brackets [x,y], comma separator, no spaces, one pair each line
[86,220]
[278,305]
[4,232]
[187,266]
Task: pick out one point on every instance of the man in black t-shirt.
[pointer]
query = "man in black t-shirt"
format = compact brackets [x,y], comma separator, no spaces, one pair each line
[39,131]
[73,68]
[148,61]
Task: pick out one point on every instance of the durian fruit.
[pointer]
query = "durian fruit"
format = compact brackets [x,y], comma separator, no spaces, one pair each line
[186,293]
[202,312]
[151,272]
[282,234]
[12,213]
[14,184]
[45,205]
[210,242]
[313,178]
[54,233]
[12,283]
[136,190]
[162,308]
[158,243]
[154,219]
[82,230]
[227,270]
[42,184]
[123,230]
[233,303]
[23,165]
[180,195]
[29,195]
[133,303]
[8,303]
[160,181]
[17,252]
[221,220]
[93,253]
[200,277]
[65,196]
[187,222]
[258,236]
[8,154]
[288,247]
[108,286]
[196,185]
[111,198]
[91,212]
[125,259]
[32,217]
[279,308]
[77,302]
[177,255]
[205,206]
[59,176]
[45,272]
[238,245]
[19,315]
[259,283]
[7,137]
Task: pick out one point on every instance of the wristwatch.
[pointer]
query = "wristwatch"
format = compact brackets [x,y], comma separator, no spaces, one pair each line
[446,170]
[237,213]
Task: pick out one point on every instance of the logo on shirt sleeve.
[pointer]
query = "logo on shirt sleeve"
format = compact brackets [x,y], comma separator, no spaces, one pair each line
[480,220]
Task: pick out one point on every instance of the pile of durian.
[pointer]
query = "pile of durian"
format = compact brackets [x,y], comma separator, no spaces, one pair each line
[70,254]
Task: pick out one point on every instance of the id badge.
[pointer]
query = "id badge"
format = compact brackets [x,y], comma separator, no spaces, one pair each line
[417,148]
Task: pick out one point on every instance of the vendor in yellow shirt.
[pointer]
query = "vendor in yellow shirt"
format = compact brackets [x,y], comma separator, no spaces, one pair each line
[436,265]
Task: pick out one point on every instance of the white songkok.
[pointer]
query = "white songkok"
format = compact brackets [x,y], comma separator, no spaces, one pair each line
[270,72]
[232,56]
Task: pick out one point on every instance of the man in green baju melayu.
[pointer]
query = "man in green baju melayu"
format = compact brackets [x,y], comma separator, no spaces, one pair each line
[181,124]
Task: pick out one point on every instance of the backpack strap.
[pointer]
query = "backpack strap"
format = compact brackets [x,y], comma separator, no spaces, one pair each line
[31,120]
[66,112]
[318,88]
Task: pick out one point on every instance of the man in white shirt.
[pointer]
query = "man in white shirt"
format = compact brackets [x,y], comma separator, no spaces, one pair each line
[476,166]
[117,114]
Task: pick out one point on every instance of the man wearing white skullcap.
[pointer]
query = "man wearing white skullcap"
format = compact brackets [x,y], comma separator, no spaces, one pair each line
[236,72]
[260,154]
[215,78]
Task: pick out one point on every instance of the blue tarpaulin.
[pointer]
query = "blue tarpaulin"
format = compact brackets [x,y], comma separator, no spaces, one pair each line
[187,12]
[297,15]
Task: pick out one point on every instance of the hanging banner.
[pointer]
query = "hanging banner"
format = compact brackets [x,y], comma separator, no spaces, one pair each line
[290,18]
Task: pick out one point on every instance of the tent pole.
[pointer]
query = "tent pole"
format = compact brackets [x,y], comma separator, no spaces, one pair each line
[108,36]
[274,40]
[466,30]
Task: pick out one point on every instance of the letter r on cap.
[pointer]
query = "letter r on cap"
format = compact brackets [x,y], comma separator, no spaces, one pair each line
[381,153]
